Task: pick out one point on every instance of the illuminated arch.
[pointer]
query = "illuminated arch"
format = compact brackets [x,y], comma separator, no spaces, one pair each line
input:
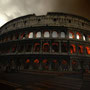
[54,34]
[37,47]
[63,35]
[88,50]
[46,47]
[27,61]
[23,35]
[36,61]
[46,34]
[80,47]
[38,34]
[72,48]
[78,36]
[84,37]
[30,35]
[71,35]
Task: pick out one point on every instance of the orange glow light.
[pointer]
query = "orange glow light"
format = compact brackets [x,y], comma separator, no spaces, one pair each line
[27,61]
[45,61]
[73,50]
[88,50]
[36,61]
[72,34]
[22,35]
[81,49]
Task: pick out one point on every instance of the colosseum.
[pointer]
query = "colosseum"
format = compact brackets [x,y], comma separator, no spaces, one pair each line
[53,42]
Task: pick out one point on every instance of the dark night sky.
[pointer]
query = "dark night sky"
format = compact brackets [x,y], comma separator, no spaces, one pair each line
[10,9]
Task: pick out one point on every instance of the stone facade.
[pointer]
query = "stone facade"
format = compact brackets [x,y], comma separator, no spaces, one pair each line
[56,41]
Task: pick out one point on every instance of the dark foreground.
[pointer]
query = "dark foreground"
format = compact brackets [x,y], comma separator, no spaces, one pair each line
[44,81]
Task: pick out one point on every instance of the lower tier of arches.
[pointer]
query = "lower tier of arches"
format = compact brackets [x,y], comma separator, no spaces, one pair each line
[45,62]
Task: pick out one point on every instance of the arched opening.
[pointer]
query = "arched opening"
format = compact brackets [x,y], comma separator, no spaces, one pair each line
[46,34]
[63,35]
[16,36]
[72,48]
[20,48]
[38,34]
[30,35]
[45,64]
[71,35]
[36,64]
[74,65]
[80,49]
[78,36]
[54,64]
[28,47]
[14,48]
[88,50]
[64,47]
[55,47]
[27,64]
[64,65]
[89,38]
[11,37]
[46,47]
[37,47]
[7,49]
[54,34]
[23,35]
[6,39]
[84,38]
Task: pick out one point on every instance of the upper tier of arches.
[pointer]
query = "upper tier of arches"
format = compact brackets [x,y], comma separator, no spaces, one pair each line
[51,19]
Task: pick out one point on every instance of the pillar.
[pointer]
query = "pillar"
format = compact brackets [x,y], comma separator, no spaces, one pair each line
[40,66]
[30,67]
[70,67]
[50,68]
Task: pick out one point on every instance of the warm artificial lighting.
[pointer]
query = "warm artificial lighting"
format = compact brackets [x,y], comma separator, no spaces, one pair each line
[38,35]
[36,61]
[88,50]
[46,34]
[30,35]
[71,35]
[27,61]
[80,49]
[72,48]
[78,35]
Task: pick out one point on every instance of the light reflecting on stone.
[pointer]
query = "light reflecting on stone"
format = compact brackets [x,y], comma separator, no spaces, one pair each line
[38,34]
[54,34]
[62,34]
[46,34]
[30,35]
